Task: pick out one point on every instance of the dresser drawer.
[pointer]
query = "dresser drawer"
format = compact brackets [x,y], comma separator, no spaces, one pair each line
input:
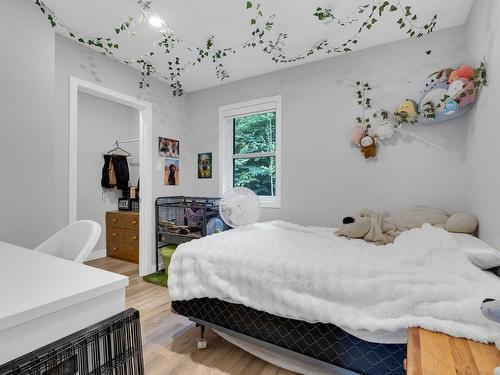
[115,234]
[132,237]
[119,220]
[122,251]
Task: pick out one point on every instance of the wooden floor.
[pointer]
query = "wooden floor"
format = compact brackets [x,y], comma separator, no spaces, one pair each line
[169,340]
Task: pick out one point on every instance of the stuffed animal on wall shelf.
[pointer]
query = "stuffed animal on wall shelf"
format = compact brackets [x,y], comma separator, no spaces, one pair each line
[465,71]
[408,110]
[437,77]
[448,94]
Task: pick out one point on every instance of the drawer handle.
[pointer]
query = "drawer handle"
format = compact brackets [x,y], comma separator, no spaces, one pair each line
[114,234]
[115,248]
[134,222]
[115,220]
[134,238]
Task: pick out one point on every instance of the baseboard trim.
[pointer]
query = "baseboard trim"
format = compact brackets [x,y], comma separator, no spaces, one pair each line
[96,254]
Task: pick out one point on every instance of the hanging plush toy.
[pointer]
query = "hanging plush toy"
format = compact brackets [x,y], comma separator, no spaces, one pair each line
[408,110]
[385,130]
[358,132]
[368,146]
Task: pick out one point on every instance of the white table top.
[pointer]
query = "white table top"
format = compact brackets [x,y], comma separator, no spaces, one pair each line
[34,284]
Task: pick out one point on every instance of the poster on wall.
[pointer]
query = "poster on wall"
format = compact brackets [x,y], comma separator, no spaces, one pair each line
[205,165]
[171,171]
[168,148]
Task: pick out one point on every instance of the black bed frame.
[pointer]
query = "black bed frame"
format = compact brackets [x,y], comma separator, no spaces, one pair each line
[324,345]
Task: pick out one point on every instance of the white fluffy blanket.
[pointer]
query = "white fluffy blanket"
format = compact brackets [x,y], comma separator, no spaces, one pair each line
[422,279]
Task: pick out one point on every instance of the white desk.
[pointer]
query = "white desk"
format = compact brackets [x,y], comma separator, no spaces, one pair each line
[44,298]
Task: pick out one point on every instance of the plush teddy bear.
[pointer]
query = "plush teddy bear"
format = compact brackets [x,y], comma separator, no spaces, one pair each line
[368,146]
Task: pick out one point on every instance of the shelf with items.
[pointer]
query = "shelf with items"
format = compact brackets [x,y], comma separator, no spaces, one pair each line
[180,219]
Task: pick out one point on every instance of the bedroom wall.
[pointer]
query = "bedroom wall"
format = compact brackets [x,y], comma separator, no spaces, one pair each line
[26,127]
[323,177]
[112,121]
[169,114]
[482,163]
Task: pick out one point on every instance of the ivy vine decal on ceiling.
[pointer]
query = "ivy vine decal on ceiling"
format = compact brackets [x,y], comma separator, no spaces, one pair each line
[261,27]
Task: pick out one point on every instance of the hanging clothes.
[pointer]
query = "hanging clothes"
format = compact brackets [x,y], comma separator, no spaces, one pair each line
[118,166]
[112,175]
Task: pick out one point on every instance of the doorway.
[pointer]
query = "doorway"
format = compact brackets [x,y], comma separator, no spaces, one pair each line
[87,93]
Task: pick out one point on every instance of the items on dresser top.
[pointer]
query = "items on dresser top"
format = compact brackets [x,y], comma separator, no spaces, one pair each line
[122,235]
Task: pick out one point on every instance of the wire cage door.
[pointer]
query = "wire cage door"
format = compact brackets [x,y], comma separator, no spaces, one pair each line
[113,346]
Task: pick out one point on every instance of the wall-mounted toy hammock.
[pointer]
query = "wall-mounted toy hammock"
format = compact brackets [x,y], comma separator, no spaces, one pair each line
[449,93]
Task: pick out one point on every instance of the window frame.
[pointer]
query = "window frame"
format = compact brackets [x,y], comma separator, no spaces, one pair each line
[226,116]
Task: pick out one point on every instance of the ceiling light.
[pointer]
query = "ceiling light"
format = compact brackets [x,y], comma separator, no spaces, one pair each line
[156,21]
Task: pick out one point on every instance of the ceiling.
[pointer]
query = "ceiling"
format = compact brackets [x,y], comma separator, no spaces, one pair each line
[229,21]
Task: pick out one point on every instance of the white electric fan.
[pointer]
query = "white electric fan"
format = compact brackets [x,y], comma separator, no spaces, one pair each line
[239,206]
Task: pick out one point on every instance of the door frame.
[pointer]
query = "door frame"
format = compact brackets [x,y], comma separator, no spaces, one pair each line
[77,85]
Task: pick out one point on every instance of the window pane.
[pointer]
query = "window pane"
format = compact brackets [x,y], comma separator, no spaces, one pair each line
[255,133]
[257,174]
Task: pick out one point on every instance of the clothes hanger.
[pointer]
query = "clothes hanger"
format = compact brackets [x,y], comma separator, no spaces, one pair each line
[118,148]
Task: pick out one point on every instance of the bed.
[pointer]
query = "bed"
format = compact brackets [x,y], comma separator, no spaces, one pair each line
[343,304]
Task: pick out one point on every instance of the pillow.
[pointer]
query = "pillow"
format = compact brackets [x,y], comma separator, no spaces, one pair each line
[462,222]
[480,253]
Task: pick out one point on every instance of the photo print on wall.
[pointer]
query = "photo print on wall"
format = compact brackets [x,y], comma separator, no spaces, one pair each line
[171,171]
[205,165]
[168,148]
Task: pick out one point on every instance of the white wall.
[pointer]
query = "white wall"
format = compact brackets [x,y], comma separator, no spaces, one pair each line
[27,196]
[169,114]
[324,178]
[100,123]
[483,160]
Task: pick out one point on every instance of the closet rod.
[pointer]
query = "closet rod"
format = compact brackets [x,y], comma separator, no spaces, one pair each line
[127,141]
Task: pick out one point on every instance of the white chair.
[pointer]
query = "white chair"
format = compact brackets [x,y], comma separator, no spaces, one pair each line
[74,242]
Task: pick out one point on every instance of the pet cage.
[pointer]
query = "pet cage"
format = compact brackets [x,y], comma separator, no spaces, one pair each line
[113,346]
[181,219]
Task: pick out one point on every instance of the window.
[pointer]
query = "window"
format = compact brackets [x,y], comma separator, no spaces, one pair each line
[250,148]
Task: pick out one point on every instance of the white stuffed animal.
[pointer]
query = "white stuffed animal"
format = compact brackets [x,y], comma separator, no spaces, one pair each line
[385,130]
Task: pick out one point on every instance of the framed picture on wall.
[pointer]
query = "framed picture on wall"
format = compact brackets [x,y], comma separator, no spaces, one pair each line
[168,148]
[205,165]
[171,171]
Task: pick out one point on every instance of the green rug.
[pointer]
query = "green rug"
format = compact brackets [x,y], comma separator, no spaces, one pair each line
[161,277]
[158,278]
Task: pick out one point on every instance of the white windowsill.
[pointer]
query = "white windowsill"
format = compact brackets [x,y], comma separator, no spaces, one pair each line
[270,203]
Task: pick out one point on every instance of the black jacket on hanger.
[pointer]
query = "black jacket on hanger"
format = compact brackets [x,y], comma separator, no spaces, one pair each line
[120,165]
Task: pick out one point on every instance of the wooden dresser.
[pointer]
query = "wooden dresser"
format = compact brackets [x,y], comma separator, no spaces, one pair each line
[122,235]
[436,353]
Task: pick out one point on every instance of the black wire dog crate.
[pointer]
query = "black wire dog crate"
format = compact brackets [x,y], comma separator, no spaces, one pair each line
[113,346]
[181,219]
